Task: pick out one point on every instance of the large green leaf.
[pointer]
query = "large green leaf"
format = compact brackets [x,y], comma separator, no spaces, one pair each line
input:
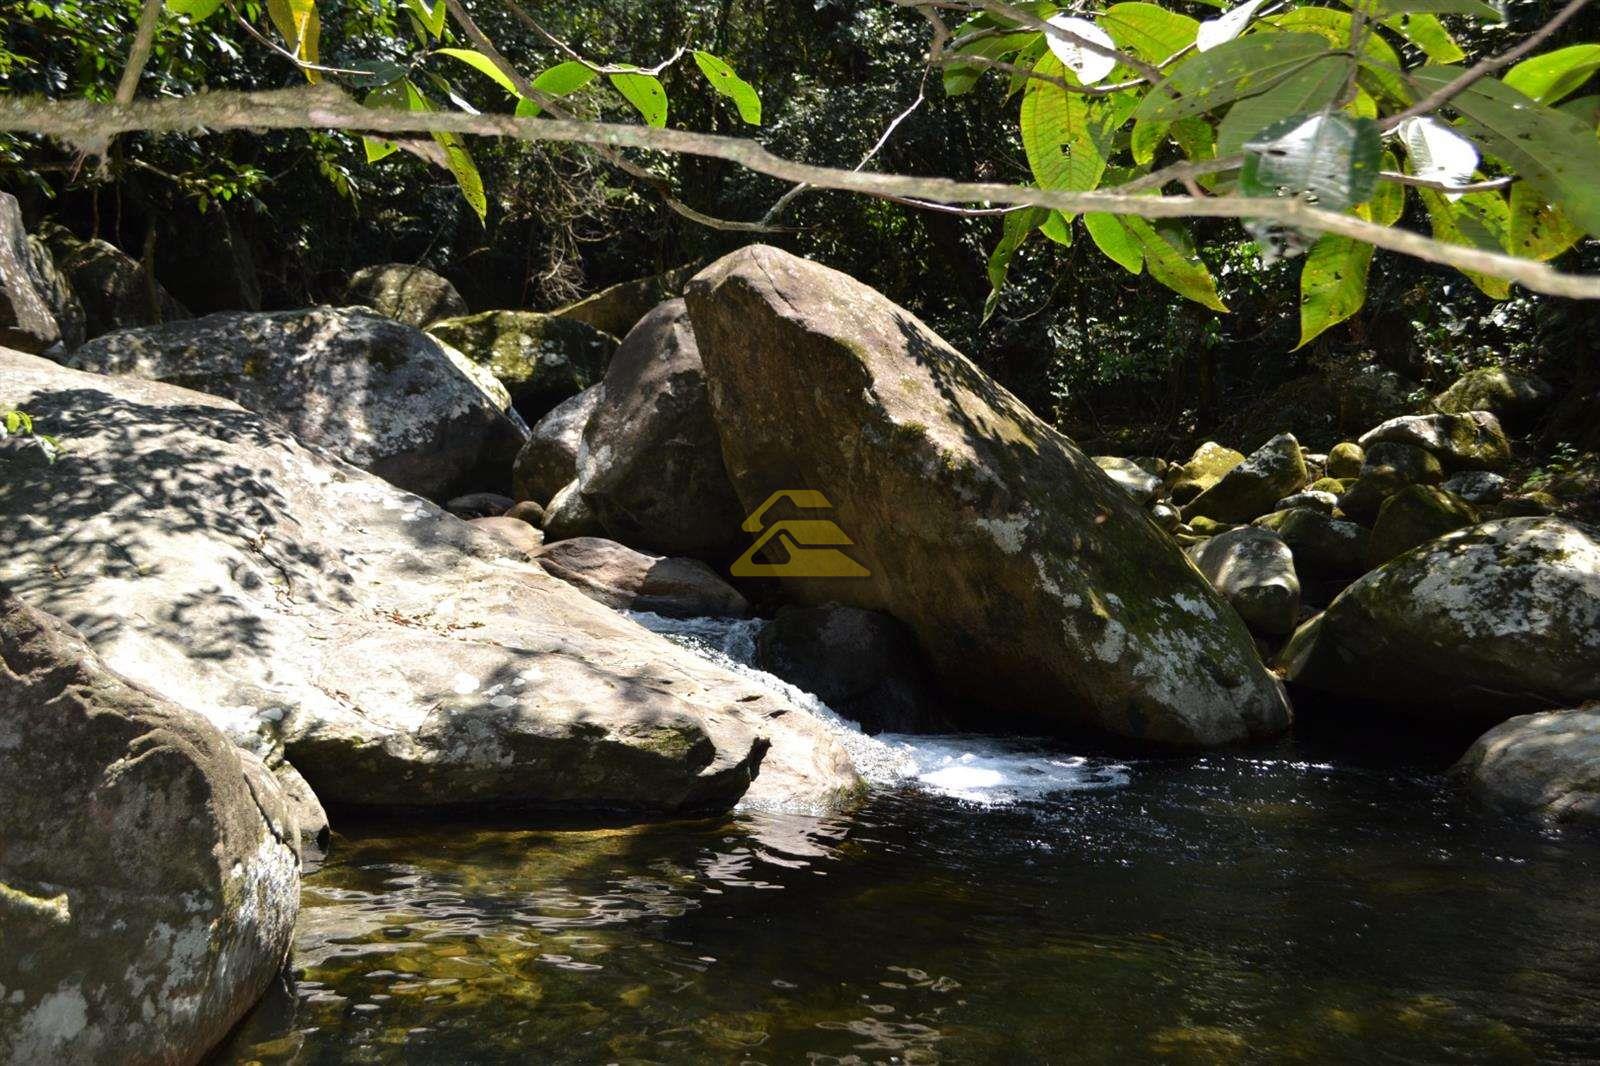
[1427,33]
[1555,75]
[1333,283]
[1311,88]
[1477,220]
[560,80]
[1112,238]
[725,81]
[1536,229]
[1151,32]
[1172,266]
[301,27]
[1388,201]
[1471,8]
[1015,229]
[197,10]
[645,93]
[1380,63]
[1065,150]
[961,77]
[483,65]
[432,20]
[1550,149]
[1241,67]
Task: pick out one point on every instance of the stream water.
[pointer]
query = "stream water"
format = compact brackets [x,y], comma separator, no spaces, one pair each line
[993,902]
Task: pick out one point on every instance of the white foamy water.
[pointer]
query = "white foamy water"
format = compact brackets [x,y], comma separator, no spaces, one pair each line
[970,767]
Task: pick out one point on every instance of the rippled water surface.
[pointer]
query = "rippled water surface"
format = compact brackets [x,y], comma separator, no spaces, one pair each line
[1223,909]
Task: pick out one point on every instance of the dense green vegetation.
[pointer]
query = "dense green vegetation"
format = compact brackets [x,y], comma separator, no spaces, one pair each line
[280,219]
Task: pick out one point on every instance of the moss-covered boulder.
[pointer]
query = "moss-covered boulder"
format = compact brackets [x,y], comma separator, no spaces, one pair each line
[1510,395]
[651,463]
[1345,459]
[1413,516]
[1204,469]
[1038,590]
[541,359]
[114,288]
[1254,570]
[1334,486]
[1413,465]
[1323,546]
[149,871]
[1249,490]
[1469,441]
[380,395]
[1362,501]
[1543,765]
[406,293]
[549,461]
[1493,620]
[617,309]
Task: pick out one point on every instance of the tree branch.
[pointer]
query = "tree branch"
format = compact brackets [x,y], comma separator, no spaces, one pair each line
[326,107]
[139,54]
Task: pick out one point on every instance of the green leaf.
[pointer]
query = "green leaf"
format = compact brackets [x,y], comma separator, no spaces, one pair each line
[1380,63]
[1311,88]
[645,93]
[1328,159]
[1014,231]
[432,21]
[466,173]
[729,84]
[373,73]
[1114,240]
[1388,201]
[1555,75]
[1173,268]
[1333,283]
[959,78]
[378,149]
[563,79]
[1064,149]
[1241,67]
[1058,228]
[1536,229]
[1550,149]
[1471,8]
[1153,33]
[197,10]
[1477,220]
[483,65]
[1427,33]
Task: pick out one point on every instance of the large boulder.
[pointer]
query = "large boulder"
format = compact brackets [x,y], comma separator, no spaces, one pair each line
[650,468]
[398,657]
[407,293]
[114,288]
[383,396]
[149,870]
[38,310]
[1249,490]
[1414,465]
[621,578]
[550,458]
[1546,765]
[1481,624]
[617,309]
[1036,588]
[1478,486]
[863,664]
[1415,516]
[1204,469]
[1469,441]
[541,359]
[1511,396]
[1254,570]
[1133,478]
[1323,546]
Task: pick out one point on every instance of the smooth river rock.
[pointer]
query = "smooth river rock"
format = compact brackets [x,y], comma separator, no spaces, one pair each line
[396,655]
[1546,765]
[1254,570]
[1037,589]
[627,580]
[149,870]
[549,461]
[1472,440]
[383,396]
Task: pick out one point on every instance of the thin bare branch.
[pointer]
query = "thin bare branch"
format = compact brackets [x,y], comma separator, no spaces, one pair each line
[139,54]
[326,107]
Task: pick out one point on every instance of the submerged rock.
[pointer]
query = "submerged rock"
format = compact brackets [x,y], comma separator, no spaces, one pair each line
[1249,490]
[550,458]
[1468,441]
[621,578]
[409,294]
[540,359]
[1415,516]
[1545,764]
[383,396]
[1204,469]
[149,874]
[1035,587]
[863,664]
[651,463]
[397,656]
[1254,570]
[38,309]
[1480,624]
[1513,397]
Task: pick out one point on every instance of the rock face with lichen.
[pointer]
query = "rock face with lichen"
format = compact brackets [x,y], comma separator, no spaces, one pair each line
[149,871]
[1483,623]
[114,288]
[407,293]
[1511,396]
[1415,516]
[1207,466]
[395,655]
[1250,489]
[1546,765]
[550,458]
[1254,570]
[541,359]
[1036,588]
[380,395]
[38,309]
[1469,441]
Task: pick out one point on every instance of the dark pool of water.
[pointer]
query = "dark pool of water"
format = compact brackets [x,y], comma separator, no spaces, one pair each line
[1234,908]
